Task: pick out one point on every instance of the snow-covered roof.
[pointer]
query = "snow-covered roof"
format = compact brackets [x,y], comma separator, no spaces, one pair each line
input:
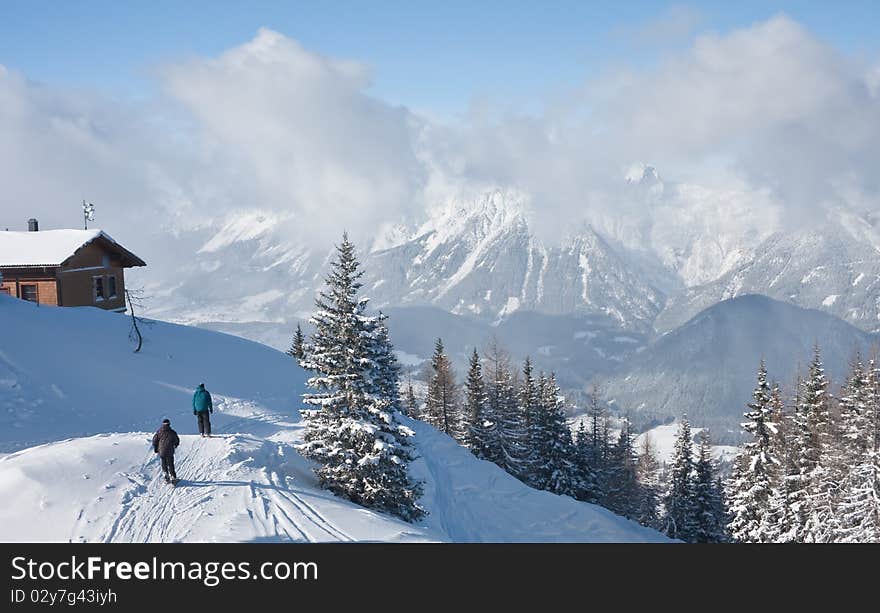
[49,247]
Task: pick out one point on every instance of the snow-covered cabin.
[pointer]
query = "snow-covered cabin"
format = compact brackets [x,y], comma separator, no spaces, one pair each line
[65,267]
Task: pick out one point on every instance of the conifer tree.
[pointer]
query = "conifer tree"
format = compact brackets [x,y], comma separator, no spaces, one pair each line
[597,449]
[709,509]
[584,479]
[532,414]
[751,485]
[480,433]
[441,406]
[623,483]
[386,372]
[554,469]
[352,431]
[874,399]
[297,345]
[503,405]
[813,495]
[649,484]
[605,447]
[778,520]
[679,510]
[821,462]
[786,507]
[858,510]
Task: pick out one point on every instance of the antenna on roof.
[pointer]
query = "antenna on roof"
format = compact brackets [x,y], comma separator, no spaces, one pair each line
[88,213]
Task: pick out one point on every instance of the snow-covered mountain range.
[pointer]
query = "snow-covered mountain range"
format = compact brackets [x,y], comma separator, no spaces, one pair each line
[834,268]
[475,258]
[582,303]
[480,257]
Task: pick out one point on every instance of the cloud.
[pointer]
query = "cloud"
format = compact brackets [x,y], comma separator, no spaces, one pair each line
[768,111]
[302,133]
[265,126]
[770,96]
[765,114]
[58,147]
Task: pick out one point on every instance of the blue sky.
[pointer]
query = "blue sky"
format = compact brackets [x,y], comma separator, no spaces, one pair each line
[436,57]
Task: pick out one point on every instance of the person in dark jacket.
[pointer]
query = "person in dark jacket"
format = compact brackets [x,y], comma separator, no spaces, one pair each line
[203,406]
[165,441]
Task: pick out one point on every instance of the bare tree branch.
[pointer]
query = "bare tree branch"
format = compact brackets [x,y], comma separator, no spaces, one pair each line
[135,298]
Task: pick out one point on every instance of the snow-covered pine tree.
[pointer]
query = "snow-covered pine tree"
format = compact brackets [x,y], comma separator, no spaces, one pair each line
[555,470]
[709,508]
[799,470]
[606,445]
[585,478]
[502,403]
[514,443]
[874,374]
[297,344]
[481,435]
[816,488]
[679,519]
[597,448]
[623,483]
[362,450]
[647,510]
[386,372]
[778,519]
[529,399]
[441,406]
[751,483]
[858,510]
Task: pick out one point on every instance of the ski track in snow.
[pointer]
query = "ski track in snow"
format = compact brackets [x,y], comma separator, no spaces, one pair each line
[153,511]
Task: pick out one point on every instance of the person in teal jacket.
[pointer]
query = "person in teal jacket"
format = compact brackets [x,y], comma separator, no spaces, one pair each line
[202,408]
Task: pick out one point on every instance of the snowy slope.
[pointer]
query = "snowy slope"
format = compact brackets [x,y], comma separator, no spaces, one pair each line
[233,488]
[663,439]
[69,377]
[71,372]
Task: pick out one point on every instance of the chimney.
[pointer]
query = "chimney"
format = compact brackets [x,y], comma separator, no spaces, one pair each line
[33,225]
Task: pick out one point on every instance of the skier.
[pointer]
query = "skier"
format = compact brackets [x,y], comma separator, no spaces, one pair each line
[165,441]
[202,407]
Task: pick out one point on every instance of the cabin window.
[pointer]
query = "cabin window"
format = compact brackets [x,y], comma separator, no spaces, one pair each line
[111,286]
[5,290]
[29,293]
[99,288]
